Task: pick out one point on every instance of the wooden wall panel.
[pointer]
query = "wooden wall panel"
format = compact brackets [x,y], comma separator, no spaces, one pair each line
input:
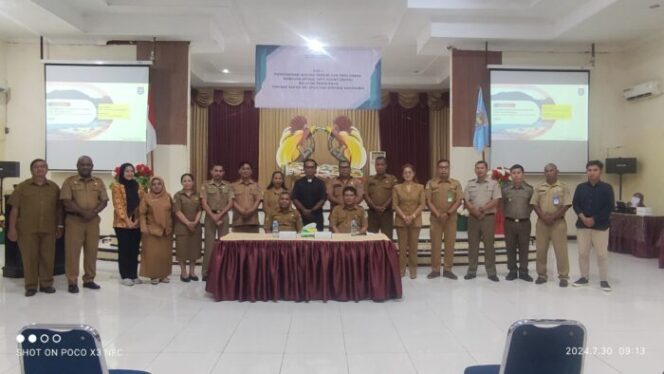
[169,84]
[469,72]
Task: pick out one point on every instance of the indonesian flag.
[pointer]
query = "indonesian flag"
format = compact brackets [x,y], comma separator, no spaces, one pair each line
[151,141]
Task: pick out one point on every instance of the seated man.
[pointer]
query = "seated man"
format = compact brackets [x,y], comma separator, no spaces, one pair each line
[343,215]
[288,218]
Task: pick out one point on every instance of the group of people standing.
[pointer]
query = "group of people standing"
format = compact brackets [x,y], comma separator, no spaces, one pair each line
[150,220]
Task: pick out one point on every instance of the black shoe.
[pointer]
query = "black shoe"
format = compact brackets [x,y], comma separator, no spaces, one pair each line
[91,285]
[433,274]
[205,278]
[563,283]
[193,278]
[605,286]
[30,292]
[525,277]
[494,278]
[540,280]
[184,279]
[582,282]
[449,275]
[72,288]
[469,276]
[511,276]
[47,289]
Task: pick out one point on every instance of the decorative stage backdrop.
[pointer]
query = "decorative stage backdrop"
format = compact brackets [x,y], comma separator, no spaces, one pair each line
[227,128]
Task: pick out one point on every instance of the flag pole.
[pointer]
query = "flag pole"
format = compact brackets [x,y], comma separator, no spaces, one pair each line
[486,63]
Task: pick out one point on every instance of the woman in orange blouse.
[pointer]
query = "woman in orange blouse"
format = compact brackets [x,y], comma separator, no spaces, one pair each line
[408,200]
[127,195]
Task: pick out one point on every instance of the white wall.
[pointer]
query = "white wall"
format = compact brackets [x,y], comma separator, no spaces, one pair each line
[3,95]
[25,112]
[642,123]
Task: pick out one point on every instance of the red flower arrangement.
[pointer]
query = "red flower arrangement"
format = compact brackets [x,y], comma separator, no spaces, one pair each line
[501,175]
[142,174]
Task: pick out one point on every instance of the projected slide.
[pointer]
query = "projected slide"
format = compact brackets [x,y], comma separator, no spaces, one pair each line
[539,117]
[539,112]
[100,111]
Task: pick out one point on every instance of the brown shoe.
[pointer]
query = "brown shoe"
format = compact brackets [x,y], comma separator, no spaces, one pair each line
[449,275]
[433,274]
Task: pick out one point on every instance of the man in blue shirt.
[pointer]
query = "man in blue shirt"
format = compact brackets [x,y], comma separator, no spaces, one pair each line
[593,203]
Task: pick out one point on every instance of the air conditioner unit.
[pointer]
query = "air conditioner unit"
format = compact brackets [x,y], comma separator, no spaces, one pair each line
[642,91]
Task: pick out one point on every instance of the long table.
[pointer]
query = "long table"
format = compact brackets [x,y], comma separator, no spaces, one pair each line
[259,267]
[641,236]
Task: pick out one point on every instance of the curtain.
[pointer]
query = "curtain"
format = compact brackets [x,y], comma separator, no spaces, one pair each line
[233,132]
[404,135]
[274,121]
[198,143]
[439,127]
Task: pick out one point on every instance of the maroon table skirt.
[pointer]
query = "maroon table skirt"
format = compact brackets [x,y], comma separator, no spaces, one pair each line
[640,236]
[302,270]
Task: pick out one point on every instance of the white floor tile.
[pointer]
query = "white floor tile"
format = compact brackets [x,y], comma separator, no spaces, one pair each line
[319,363]
[268,342]
[194,363]
[248,363]
[315,341]
[380,363]
[439,326]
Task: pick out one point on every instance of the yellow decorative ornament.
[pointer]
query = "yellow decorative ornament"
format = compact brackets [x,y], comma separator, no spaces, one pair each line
[296,143]
[345,142]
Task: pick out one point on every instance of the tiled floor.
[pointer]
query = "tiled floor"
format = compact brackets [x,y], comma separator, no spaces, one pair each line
[440,326]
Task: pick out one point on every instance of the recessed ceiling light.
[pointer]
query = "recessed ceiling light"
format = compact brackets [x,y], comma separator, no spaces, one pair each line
[654,6]
[315,45]
[225,71]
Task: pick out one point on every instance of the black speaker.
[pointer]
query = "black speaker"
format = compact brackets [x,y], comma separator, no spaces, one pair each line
[621,165]
[10,169]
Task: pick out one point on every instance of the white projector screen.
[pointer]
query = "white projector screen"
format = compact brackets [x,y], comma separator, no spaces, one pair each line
[540,116]
[96,110]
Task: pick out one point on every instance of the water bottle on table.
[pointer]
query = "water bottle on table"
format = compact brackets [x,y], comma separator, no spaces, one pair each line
[275,228]
[354,229]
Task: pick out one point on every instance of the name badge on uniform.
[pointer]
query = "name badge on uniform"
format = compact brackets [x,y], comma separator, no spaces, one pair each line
[556,200]
[450,196]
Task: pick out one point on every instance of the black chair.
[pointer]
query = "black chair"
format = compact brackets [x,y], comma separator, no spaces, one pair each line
[540,347]
[63,349]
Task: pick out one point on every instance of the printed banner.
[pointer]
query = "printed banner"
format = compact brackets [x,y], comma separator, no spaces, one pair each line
[297,77]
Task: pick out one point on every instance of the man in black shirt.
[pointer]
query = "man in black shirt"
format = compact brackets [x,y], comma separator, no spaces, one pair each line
[309,195]
[593,203]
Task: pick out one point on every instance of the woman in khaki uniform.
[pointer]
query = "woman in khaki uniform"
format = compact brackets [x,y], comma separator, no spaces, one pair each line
[156,218]
[272,193]
[408,200]
[188,232]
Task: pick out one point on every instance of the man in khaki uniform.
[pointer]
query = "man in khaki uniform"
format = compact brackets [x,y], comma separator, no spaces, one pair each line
[343,215]
[378,196]
[517,209]
[336,185]
[288,218]
[248,197]
[551,200]
[481,197]
[35,223]
[83,196]
[217,201]
[444,196]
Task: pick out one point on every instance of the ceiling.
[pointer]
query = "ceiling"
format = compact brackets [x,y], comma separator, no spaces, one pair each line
[414,35]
